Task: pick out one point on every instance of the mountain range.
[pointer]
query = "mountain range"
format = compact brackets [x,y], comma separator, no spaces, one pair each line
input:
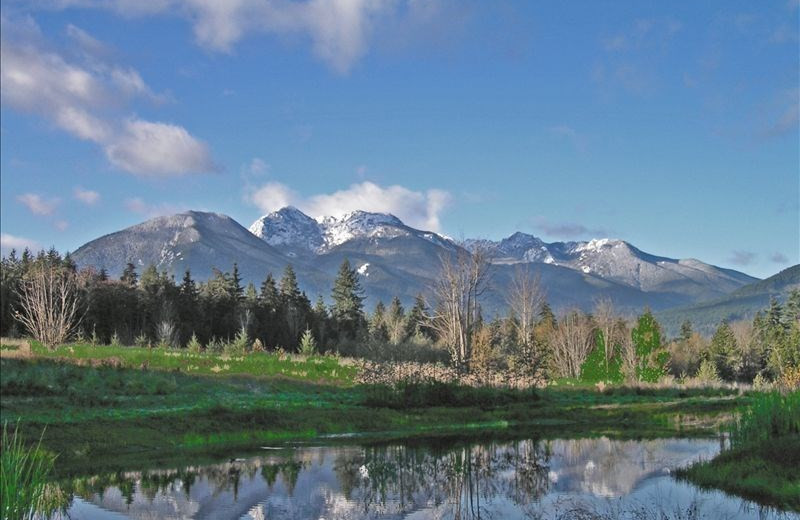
[396,259]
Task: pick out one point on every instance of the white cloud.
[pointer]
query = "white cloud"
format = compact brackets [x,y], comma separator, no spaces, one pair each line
[88,197]
[84,99]
[37,204]
[158,149]
[61,225]
[272,196]
[137,205]
[87,43]
[9,242]
[419,209]
[339,30]
[258,166]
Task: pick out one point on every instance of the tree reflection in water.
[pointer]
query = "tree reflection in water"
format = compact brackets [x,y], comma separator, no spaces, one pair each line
[400,479]
[595,478]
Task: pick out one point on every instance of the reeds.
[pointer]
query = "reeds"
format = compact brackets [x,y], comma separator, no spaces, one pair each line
[771,415]
[24,471]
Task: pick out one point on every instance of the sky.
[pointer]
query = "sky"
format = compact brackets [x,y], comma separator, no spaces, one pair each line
[672,125]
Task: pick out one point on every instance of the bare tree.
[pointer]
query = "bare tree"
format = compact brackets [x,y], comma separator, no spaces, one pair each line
[49,304]
[462,280]
[525,300]
[526,297]
[607,323]
[572,340]
[630,360]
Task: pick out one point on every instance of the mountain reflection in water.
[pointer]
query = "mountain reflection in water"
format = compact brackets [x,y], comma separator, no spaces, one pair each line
[579,478]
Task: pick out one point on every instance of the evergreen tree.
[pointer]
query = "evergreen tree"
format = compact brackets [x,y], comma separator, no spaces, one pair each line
[686,331]
[129,276]
[308,346]
[293,306]
[348,302]
[377,324]
[320,319]
[395,321]
[791,309]
[417,320]
[272,323]
[236,281]
[188,308]
[724,352]
[547,317]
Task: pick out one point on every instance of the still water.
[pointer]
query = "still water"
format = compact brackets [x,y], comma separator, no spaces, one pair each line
[597,478]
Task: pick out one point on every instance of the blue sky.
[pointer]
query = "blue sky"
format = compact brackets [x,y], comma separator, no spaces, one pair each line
[673,125]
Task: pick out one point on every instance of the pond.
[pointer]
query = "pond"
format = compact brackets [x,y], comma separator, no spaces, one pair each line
[591,478]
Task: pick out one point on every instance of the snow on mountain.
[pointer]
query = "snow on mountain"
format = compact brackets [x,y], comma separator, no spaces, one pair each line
[621,262]
[397,260]
[292,228]
[192,240]
[289,227]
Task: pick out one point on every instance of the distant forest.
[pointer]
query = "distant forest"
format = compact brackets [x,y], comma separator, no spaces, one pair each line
[152,309]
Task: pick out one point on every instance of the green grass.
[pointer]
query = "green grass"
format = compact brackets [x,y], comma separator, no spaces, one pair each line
[124,406]
[761,463]
[24,474]
[326,369]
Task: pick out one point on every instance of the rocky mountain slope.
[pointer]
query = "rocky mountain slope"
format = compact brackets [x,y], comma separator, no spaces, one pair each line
[395,259]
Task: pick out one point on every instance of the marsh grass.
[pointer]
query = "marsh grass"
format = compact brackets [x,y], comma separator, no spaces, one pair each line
[234,361]
[25,471]
[772,415]
[764,454]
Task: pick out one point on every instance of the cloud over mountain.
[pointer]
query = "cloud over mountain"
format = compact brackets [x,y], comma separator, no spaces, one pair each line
[420,209]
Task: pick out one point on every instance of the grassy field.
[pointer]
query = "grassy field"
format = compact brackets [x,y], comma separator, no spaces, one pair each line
[124,407]
[764,456]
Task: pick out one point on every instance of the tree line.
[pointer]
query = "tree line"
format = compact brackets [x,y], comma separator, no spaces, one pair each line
[151,308]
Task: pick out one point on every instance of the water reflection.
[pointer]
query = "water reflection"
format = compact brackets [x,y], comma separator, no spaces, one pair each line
[583,478]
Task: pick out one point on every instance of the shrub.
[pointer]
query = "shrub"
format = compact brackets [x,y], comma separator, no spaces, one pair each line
[413,393]
[194,346]
[761,383]
[142,341]
[215,345]
[707,373]
[791,378]
[308,346]
[258,346]
[239,346]
[115,342]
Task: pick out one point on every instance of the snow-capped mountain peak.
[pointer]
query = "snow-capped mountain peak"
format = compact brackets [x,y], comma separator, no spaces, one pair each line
[289,227]
[292,228]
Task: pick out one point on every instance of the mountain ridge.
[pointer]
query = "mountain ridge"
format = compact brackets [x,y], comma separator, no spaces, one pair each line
[396,259]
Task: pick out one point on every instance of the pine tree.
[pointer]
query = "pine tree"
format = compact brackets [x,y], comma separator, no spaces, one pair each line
[236,281]
[724,352]
[292,304]
[189,319]
[320,318]
[272,325]
[416,322]
[395,321]
[348,302]
[686,331]
[377,324]
[308,346]
[269,294]
[547,317]
[129,276]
